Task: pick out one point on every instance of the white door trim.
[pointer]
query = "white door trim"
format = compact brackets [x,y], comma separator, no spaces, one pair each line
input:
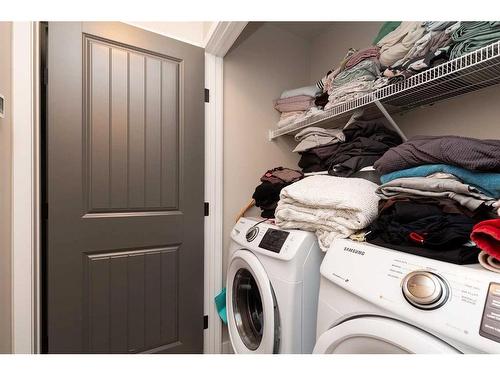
[221,38]
[25,187]
[213,195]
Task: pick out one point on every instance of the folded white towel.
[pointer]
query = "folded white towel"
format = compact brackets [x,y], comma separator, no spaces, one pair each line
[332,207]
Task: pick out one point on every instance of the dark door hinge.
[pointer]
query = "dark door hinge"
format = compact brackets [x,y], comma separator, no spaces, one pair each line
[205,322]
[46,76]
[207,96]
[207,209]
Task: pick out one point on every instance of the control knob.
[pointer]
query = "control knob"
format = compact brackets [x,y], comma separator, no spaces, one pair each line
[252,234]
[425,290]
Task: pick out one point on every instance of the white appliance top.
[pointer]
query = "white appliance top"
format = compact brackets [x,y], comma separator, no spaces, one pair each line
[469,312]
[270,240]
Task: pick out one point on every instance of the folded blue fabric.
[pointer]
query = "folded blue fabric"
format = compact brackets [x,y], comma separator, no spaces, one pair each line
[488,183]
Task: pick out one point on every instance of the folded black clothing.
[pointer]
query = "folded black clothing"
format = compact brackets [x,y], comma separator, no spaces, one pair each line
[268,214]
[457,255]
[311,163]
[321,100]
[370,175]
[267,193]
[365,142]
[421,225]
[353,164]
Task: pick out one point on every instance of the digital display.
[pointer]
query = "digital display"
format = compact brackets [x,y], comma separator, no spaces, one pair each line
[490,325]
[273,240]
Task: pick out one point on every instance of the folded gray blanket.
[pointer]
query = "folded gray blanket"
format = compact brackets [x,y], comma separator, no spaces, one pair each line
[469,153]
[312,137]
[467,195]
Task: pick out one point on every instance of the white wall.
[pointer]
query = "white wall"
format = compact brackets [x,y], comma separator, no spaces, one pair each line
[256,70]
[331,45]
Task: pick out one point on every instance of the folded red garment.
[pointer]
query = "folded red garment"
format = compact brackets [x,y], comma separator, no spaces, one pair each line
[486,235]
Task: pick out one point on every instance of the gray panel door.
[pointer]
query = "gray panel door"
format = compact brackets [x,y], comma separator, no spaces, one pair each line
[125,191]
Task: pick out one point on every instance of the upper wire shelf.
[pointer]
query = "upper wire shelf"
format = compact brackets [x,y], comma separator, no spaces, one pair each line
[470,72]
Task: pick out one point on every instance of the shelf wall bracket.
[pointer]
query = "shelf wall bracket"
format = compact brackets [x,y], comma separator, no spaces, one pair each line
[391,120]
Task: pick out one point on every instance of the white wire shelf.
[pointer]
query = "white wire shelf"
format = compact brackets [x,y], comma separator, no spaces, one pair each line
[471,72]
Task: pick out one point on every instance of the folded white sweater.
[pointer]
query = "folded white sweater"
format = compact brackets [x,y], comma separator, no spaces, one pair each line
[332,207]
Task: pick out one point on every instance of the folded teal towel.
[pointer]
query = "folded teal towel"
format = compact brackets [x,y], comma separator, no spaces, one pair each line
[488,183]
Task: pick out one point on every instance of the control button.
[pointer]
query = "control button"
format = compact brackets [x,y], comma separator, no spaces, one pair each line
[252,234]
[425,290]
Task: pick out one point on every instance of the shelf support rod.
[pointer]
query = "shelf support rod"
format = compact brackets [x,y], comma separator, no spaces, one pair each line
[391,120]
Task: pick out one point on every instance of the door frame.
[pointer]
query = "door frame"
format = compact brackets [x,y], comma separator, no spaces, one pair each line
[25,188]
[26,205]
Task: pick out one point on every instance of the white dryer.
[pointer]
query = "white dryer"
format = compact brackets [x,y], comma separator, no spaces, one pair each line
[376,300]
[272,288]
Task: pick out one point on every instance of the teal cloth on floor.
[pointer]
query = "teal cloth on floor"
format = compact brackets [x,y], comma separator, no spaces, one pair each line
[220,304]
[488,183]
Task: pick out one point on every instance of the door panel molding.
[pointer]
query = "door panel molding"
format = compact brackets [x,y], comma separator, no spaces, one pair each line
[128,137]
[114,282]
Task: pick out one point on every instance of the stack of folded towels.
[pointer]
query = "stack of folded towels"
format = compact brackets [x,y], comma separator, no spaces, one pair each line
[332,207]
[435,189]
[470,36]
[352,79]
[295,105]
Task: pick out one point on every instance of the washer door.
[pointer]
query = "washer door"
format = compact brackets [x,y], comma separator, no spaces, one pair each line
[253,317]
[379,335]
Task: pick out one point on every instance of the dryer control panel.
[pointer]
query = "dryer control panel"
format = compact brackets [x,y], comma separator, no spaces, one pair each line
[490,324]
[272,241]
[454,301]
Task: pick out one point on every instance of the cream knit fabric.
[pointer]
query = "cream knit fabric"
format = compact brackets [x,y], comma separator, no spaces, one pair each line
[395,45]
[332,207]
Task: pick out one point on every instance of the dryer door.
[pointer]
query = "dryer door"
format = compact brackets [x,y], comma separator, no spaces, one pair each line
[379,335]
[252,313]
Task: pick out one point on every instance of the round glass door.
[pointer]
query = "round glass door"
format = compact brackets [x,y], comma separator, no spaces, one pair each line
[247,307]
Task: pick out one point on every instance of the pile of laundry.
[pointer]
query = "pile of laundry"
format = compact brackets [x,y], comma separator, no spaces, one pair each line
[417,46]
[400,50]
[332,207]
[344,152]
[297,104]
[434,191]
[353,78]
[267,194]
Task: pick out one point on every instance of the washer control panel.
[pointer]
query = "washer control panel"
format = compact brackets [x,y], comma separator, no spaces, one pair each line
[273,240]
[490,323]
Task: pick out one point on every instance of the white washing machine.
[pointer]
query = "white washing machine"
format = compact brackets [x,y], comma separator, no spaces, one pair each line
[376,300]
[272,288]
